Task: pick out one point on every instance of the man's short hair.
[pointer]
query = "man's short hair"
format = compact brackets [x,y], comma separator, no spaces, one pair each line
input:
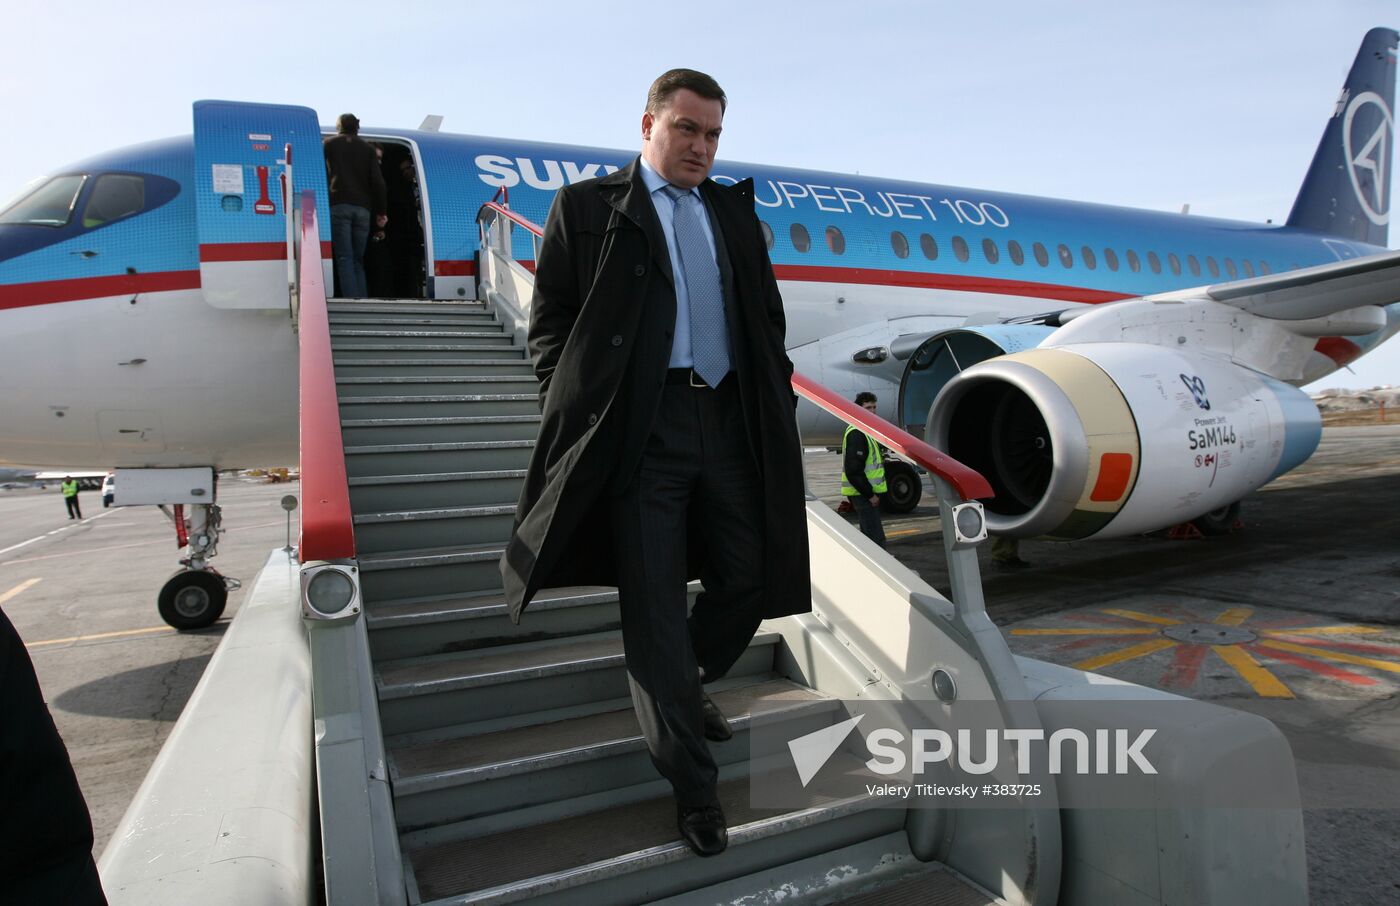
[348,123]
[865,396]
[668,83]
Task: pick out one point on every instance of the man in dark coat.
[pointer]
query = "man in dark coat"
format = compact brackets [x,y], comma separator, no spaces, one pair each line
[668,448]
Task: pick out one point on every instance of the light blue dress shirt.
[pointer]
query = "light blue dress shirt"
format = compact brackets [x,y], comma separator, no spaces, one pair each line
[665,212]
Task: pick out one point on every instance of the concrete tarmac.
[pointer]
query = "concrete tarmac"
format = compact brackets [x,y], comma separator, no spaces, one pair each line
[1321,544]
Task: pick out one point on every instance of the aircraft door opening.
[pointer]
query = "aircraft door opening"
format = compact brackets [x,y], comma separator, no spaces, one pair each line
[396,259]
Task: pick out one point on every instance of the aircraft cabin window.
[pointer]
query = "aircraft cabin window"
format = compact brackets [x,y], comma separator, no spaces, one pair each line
[50,205]
[900,244]
[1195,265]
[1018,257]
[1110,257]
[115,196]
[990,250]
[835,241]
[1134,264]
[1066,256]
[767,234]
[1248,267]
[929,246]
[1212,267]
[1154,262]
[1041,256]
[960,248]
[1230,269]
[1174,263]
[1264,268]
[801,239]
[1088,255]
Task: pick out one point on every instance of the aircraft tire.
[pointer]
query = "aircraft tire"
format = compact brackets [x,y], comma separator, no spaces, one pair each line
[192,599]
[905,488]
[1218,522]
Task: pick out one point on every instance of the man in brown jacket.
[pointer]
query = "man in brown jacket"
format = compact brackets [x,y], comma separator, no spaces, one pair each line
[668,448]
[356,195]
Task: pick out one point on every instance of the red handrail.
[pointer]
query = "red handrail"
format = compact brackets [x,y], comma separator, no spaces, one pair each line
[326,529]
[969,484]
[510,215]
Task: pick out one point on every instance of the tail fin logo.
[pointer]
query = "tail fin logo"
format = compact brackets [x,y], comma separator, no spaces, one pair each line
[1372,160]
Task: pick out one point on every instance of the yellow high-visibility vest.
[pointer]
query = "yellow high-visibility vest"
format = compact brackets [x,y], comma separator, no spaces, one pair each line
[70,489]
[874,466]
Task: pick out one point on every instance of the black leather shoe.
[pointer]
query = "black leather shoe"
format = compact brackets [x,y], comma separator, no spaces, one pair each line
[703,829]
[717,727]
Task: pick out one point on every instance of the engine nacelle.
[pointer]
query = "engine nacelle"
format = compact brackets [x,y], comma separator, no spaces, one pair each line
[1111,439]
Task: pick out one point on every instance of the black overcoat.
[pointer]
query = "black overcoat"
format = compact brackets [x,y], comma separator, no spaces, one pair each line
[600,335]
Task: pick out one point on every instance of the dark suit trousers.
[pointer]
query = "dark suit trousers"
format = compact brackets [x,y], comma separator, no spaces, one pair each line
[697,473]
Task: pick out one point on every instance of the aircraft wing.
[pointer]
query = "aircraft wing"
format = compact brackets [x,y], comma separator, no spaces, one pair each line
[1316,292]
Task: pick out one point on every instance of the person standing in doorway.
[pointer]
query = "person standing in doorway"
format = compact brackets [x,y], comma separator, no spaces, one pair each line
[668,446]
[863,473]
[70,497]
[357,199]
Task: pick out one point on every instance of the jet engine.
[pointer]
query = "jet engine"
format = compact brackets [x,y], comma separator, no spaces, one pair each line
[1111,439]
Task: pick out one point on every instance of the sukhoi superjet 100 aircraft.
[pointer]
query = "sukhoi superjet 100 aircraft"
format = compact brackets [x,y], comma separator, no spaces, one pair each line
[1110,371]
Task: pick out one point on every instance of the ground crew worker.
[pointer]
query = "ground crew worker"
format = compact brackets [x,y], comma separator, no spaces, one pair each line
[70,497]
[863,474]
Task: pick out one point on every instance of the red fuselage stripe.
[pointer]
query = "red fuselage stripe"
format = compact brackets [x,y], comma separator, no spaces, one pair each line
[20,295]
[1339,350]
[250,251]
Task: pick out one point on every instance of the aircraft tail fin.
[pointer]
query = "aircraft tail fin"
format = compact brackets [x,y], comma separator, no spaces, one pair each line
[1347,189]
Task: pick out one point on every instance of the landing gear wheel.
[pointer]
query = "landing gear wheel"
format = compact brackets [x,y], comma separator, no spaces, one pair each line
[193,599]
[905,488]
[1218,522]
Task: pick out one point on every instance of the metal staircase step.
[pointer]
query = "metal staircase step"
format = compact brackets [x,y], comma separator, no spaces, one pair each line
[408,529]
[431,571]
[338,306]
[442,781]
[633,853]
[413,320]
[438,429]
[413,627]
[439,404]
[434,337]
[431,458]
[486,683]
[418,384]
[348,353]
[386,492]
[405,367]
[880,871]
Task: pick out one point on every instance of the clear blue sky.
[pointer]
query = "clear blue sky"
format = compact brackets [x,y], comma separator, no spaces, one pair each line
[1219,104]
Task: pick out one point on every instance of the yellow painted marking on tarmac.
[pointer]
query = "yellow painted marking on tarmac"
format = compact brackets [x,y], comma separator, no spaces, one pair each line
[1127,654]
[101,635]
[1143,617]
[1321,630]
[1332,655]
[18,589]
[1114,631]
[1264,682]
[1235,616]
[908,531]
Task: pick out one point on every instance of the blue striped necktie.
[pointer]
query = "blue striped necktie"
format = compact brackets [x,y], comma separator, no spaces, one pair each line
[709,334]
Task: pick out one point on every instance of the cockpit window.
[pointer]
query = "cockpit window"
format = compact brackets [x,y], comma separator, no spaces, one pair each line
[50,205]
[115,196]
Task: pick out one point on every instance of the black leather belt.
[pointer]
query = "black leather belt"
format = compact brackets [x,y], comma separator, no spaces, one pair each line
[687,377]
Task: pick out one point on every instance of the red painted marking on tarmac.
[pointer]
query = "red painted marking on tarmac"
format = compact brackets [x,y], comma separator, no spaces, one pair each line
[1307,663]
[1185,668]
[1313,641]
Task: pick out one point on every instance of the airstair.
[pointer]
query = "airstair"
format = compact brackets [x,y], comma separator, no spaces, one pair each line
[456,757]
[517,767]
